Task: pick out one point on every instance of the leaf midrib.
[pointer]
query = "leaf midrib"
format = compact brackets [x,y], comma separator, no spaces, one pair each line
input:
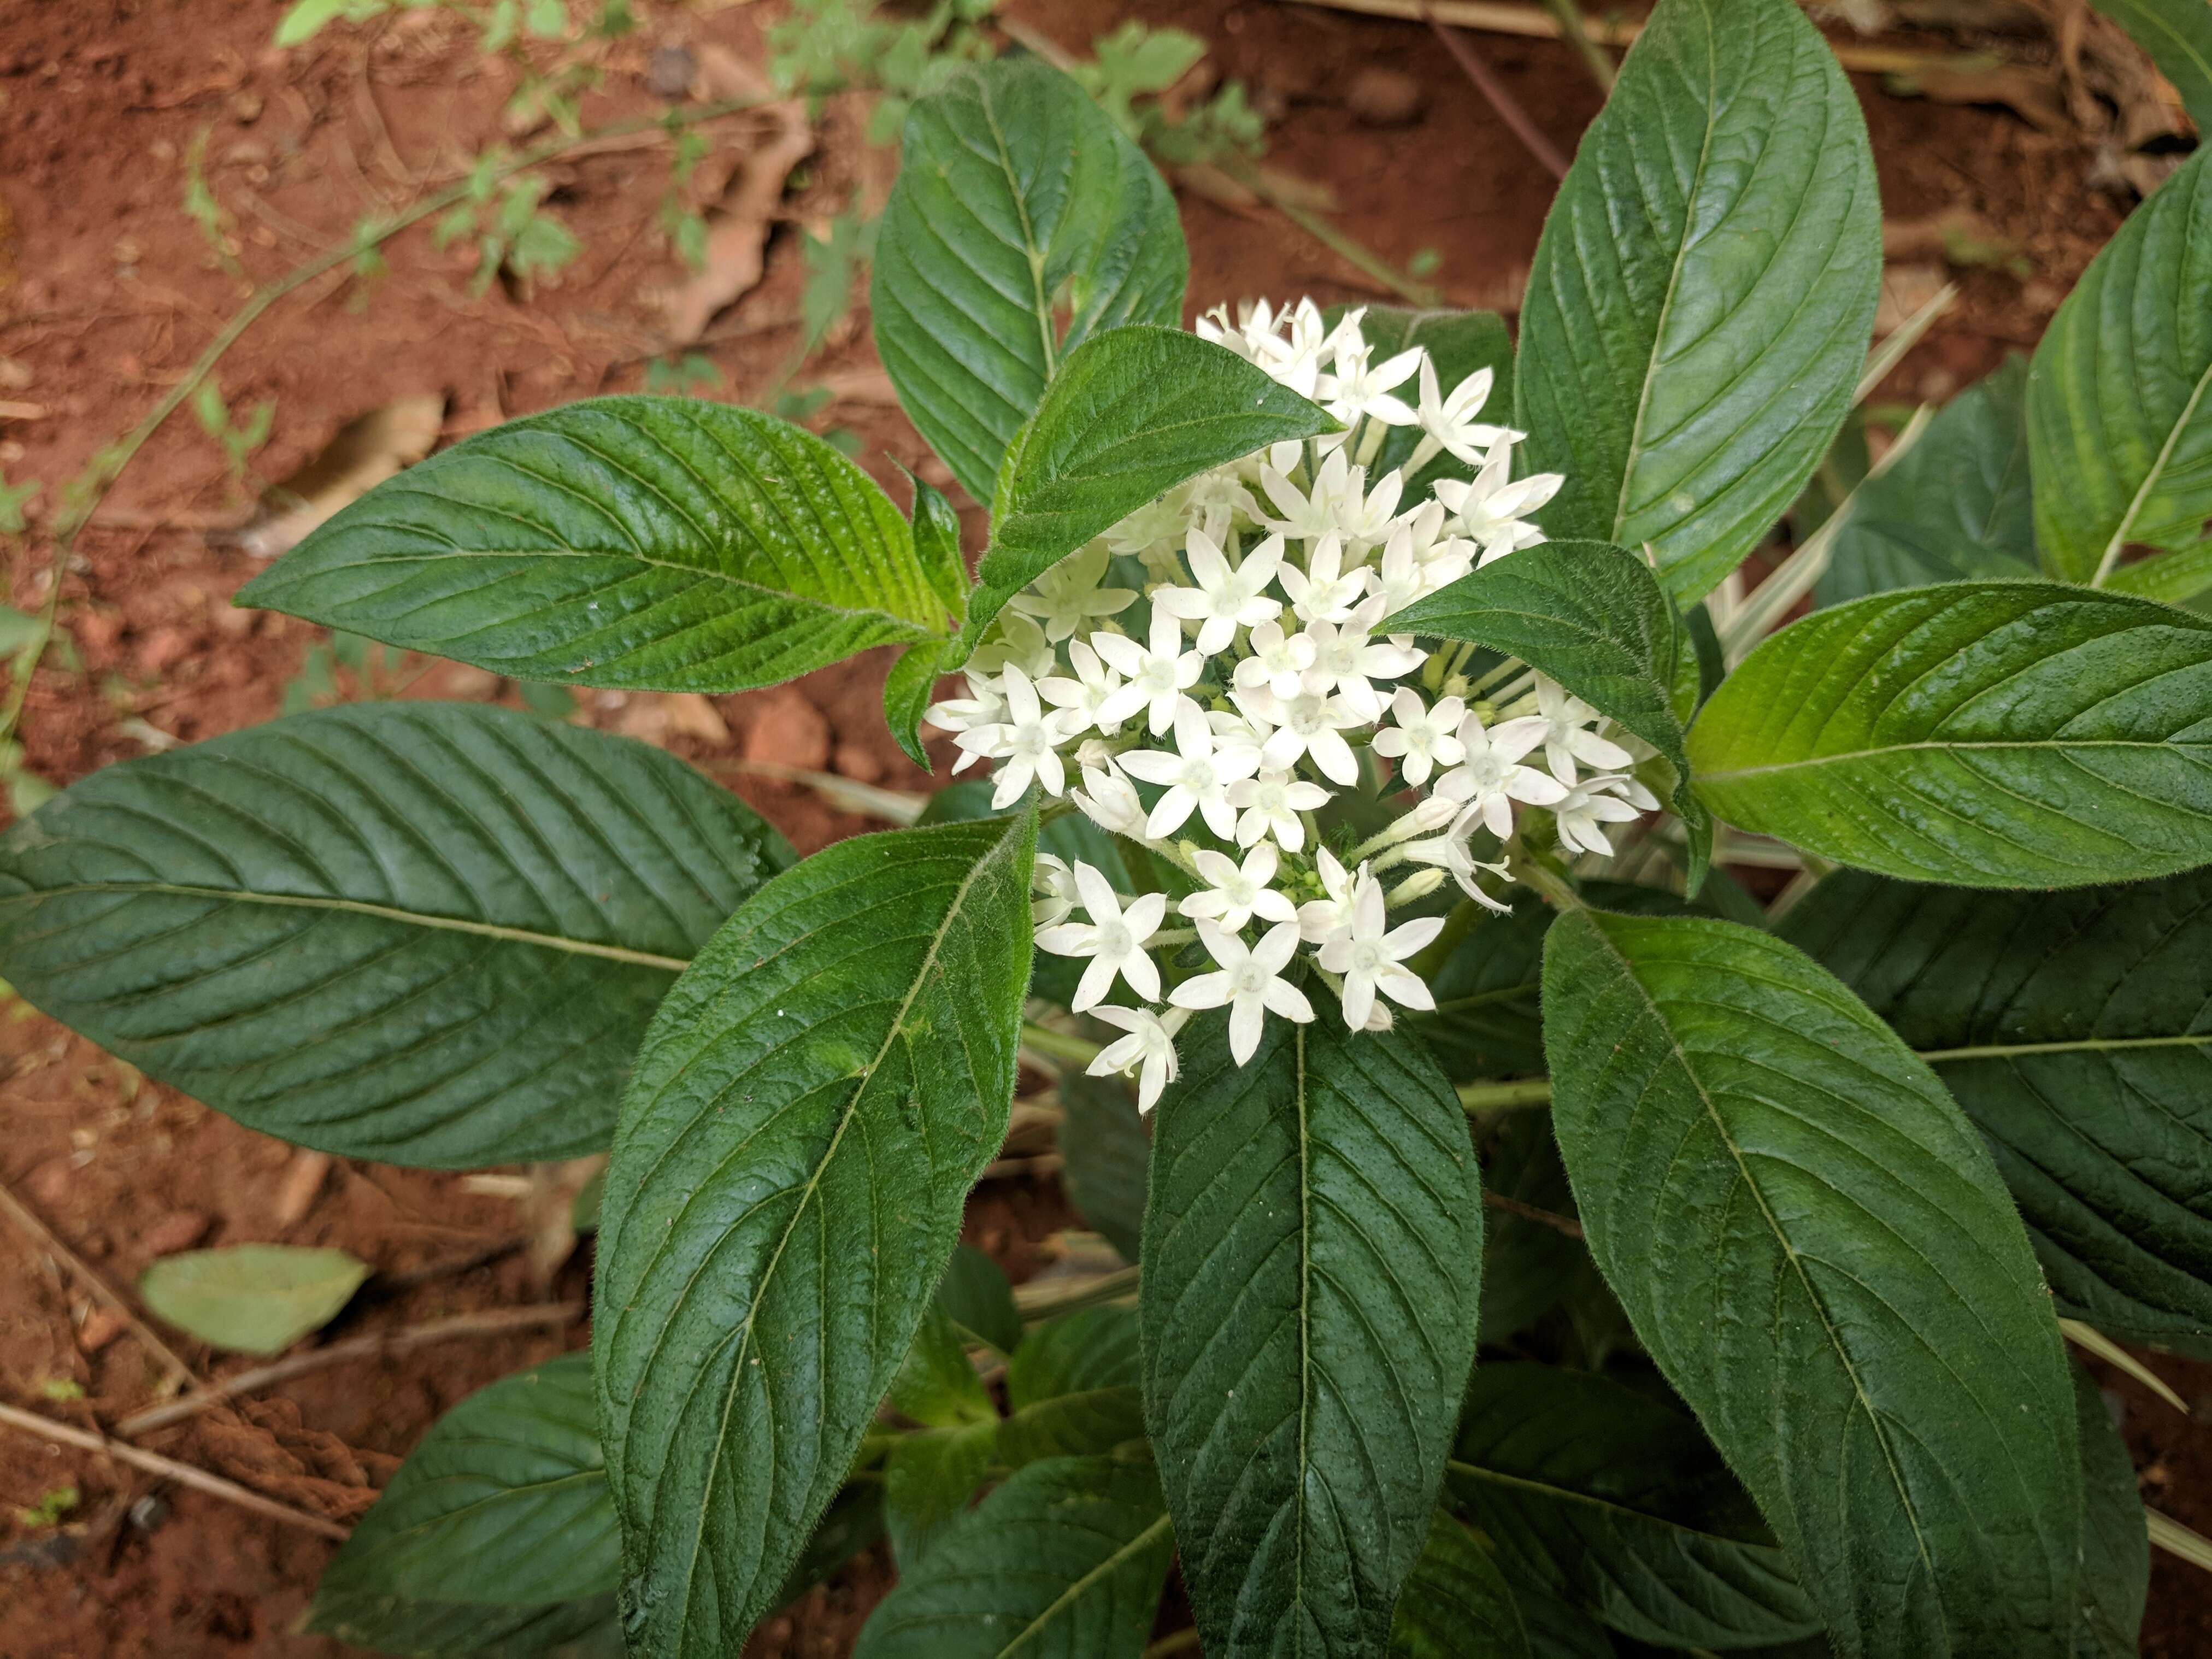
[381,912]
[1075,1591]
[2111,556]
[1979,745]
[1865,1404]
[1608,1507]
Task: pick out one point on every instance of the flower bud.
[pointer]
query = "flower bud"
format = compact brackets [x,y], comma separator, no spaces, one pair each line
[1418,885]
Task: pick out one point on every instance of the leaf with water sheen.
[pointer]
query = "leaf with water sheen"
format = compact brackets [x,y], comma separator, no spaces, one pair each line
[1609,1497]
[2119,395]
[1456,1604]
[1133,412]
[1065,1561]
[1591,617]
[1312,1253]
[1016,195]
[2075,1029]
[500,1515]
[476,912]
[1697,313]
[1956,506]
[1813,1244]
[252,1298]
[1990,734]
[811,1106]
[646,543]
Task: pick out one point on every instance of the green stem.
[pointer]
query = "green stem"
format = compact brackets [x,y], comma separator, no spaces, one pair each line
[1058,1045]
[1538,872]
[91,486]
[1505,1096]
[1038,1304]
[1571,28]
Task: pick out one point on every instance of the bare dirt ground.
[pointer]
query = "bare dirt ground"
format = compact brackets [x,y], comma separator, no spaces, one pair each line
[108,290]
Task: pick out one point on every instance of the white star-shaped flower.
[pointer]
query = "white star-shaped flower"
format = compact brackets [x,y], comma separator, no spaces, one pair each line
[1084,698]
[1489,508]
[1424,736]
[1028,742]
[1235,894]
[1327,590]
[1363,515]
[1068,596]
[1108,801]
[982,706]
[1227,598]
[1114,938]
[1278,663]
[1052,887]
[1308,724]
[1589,804]
[1270,804]
[1148,1050]
[1321,920]
[1250,984]
[1452,852]
[1565,719]
[1372,960]
[1492,778]
[1359,388]
[1197,775]
[1308,513]
[1347,660]
[1450,420]
[1158,678]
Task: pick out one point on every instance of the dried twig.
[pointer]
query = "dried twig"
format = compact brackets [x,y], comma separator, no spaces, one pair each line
[15,1210]
[499,1321]
[185,1475]
[1558,1223]
[1494,93]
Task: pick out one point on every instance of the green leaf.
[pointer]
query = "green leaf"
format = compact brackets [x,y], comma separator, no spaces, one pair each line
[1527,1266]
[854,1521]
[975,1294]
[2119,396]
[252,1298]
[2178,36]
[2075,1029]
[1073,1388]
[1459,343]
[1016,195]
[645,542]
[1609,1497]
[2170,578]
[1456,1605]
[2115,1543]
[1991,734]
[1102,1140]
[811,1106]
[1697,313]
[1133,412]
[927,1480]
[1485,1022]
[1956,505]
[1591,617]
[1312,1251]
[500,1515]
[1812,1243]
[475,912]
[1065,1561]
[935,1385]
[912,678]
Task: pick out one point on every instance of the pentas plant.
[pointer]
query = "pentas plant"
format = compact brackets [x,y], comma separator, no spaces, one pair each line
[1767,1046]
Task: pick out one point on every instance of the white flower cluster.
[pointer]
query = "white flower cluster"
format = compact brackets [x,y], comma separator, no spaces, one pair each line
[1260,675]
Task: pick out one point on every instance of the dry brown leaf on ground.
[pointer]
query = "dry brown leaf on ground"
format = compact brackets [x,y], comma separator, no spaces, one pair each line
[738,225]
[368,450]
[654,717]
[264,1445]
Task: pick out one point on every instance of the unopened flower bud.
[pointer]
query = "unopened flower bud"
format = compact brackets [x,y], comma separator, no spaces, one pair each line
[1418,885]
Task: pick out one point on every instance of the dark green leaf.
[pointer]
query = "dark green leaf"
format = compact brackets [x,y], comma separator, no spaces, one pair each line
[909,687]
[474,911]
[652,543]
[912,678]
[1956,506]
[1073,1388]
[1485,1023]
[1065,1561]
[1016,195]
[1527,1266]
[1698,315]
[251,1298]
[977,1295]
[2118,415]
[1102,1140]
[854,1521]
[1609,1497]
[1456,1605]
[1992,734]
[1459,343]
[927,1480]
[1591,617]
[812,1103]
[1312,1246]
[497,1528]
[2115,1543]
[1132,413]
[2178,36]
[1813,1244]
[2075,1029]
